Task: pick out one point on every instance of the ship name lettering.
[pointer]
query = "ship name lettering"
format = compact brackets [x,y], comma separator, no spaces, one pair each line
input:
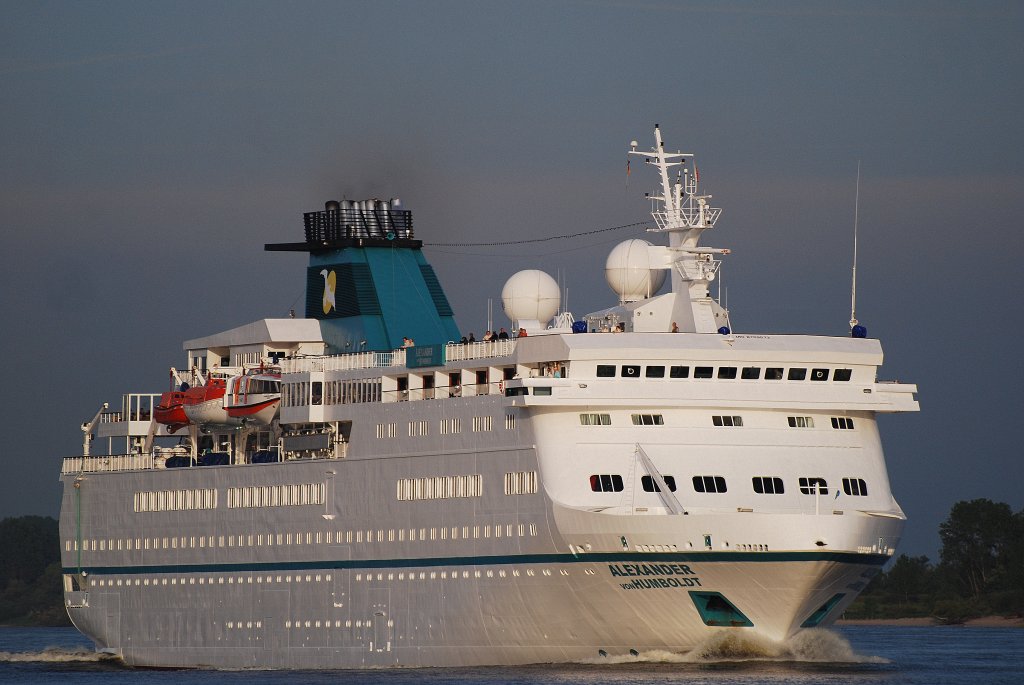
[650,570]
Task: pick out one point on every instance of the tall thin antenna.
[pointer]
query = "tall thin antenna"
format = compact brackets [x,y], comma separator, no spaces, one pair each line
[856,217]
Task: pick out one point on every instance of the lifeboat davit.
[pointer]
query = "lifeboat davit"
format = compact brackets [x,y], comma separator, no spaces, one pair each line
[254,398]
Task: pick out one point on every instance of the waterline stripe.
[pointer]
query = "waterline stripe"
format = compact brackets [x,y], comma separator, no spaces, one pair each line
[497,560]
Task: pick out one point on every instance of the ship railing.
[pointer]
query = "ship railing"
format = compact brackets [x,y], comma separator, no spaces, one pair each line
[344,362]
[443,392]
[106,463]
[455,352]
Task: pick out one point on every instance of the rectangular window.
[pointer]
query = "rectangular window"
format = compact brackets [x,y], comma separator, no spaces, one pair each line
[510,422]
[819,374]
[709,484]
[648,420]
[797,374]
[650,486]
[606,483]
[731,421]
[727,372]
[855,486]
[542,390]
[842,375]
[655,372]
[703,371]
[679,372]
[481,424]
[605,371]
[773,374]
[842,423]
[800,422]
[768,485]
[750,373]
[630,371]
[521,483]
[595,419]
[811,486]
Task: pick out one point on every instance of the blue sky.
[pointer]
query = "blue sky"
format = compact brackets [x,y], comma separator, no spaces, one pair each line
[149,150]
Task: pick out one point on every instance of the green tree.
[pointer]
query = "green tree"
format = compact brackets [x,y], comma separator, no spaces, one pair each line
[977,539]
[909,578]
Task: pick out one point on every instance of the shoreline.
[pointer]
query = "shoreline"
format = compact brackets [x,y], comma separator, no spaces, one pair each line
[982,622]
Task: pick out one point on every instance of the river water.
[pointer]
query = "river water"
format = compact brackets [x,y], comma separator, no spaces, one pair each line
[849,656]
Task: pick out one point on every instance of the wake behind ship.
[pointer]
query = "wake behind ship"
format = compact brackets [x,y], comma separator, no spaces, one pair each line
[360,488]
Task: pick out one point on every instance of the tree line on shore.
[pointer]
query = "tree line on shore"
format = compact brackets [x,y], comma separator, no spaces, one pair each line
[980,571]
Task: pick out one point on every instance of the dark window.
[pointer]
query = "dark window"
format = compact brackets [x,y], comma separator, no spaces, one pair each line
[819,374]
[773,374]
[651,486]
[842,423]
[801,421]
[630,371]
[318,392]
[605,371]
[709,483]
[855,486]
[727,372]
[655,371]
[797,374]
[606,483]
[648,420]
[751,373]
[731,421]
[679,372]
[810,486]
[509,372]
[768,485]
[703,371]
[842,375]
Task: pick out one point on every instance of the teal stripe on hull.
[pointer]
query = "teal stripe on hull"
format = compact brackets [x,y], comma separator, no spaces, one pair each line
[499,560]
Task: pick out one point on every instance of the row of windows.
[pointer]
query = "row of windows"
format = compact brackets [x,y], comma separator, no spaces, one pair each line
[725,372]
[276,495]
[521,483]
[70,581]
[330,392]
[340,537]
[763,485]
[838,422]
[440,487]
[175,500]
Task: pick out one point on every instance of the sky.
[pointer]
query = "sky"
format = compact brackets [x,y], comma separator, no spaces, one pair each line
[149,150]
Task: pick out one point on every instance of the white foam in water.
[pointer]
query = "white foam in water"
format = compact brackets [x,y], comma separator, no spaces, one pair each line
[813,645]
[54,655]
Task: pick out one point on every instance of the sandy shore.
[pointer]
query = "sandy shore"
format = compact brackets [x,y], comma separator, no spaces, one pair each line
[984,622]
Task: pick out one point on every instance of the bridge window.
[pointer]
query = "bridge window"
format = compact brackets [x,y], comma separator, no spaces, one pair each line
[630,371]
[842,375]
[750,373]
[679,372]
[734,421]
[797,374]
[655,372]
[605,371]
[703,371]
[800,421]
[819,374]
[842,423]
[727,372]
[648,420]
[650,486]
[773,374]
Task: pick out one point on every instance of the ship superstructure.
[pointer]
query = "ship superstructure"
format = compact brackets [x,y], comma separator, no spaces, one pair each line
[639,479]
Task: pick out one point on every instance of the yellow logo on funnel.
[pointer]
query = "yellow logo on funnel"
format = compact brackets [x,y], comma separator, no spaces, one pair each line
[329,284]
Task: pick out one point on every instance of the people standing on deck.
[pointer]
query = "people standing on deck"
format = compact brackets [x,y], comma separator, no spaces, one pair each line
[503,334]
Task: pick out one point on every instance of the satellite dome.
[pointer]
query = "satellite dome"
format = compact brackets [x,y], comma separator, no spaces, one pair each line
[629,273]
[530,296]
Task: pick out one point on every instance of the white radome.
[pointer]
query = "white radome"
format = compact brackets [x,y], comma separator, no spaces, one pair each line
[629,273]
[530,295]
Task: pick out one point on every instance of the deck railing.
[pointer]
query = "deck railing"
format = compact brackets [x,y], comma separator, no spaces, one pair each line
[106,463]
[454,352]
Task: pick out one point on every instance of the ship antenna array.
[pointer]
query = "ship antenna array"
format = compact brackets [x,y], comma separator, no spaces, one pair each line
[853,286]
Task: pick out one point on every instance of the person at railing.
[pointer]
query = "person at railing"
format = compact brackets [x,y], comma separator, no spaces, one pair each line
[502,334]
[522,333]
[472,338]
[488,336]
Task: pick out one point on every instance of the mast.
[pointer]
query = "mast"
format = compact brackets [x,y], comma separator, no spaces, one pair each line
[684,214]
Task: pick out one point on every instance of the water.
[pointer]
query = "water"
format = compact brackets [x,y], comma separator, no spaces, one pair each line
[847,656]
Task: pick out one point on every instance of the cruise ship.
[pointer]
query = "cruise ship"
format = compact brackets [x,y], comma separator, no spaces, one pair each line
[362,487]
